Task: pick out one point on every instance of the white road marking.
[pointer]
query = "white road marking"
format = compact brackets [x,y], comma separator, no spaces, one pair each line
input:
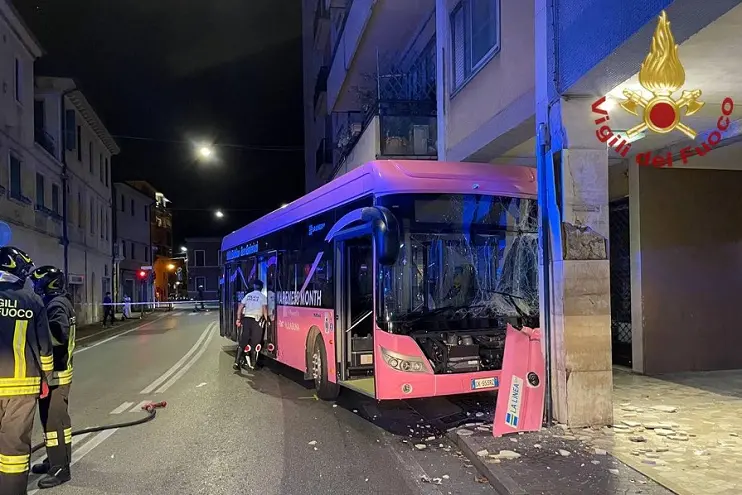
[78,351]
[123,407]
[149,388]
[139,406]
[210,329]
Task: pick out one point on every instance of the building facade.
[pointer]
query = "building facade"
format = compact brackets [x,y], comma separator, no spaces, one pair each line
[161,238]
[204,267]
[132,242]
[517,83]
[56,171]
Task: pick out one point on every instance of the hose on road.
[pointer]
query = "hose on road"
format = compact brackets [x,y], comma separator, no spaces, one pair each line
[150,409]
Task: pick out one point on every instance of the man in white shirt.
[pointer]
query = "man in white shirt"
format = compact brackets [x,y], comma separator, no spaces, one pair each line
[252,309]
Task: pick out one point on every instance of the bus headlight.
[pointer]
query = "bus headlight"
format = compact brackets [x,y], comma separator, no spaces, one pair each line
[408,364]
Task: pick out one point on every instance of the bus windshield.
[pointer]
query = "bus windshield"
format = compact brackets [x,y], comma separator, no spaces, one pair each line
[466,262]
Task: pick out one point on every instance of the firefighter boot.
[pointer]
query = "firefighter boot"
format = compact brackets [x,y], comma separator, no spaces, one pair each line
[55,477]
[239,358]
[41,468]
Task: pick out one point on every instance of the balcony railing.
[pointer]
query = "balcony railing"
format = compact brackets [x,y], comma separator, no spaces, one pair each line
[320,85]
[390,128]
[45,140]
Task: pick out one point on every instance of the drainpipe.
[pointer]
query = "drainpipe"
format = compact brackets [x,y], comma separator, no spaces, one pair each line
[543,206]
[65,185]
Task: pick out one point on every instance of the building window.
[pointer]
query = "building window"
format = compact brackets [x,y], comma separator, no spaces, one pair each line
[102,223]
[201,283]
[107,170]
[132,207]
[108,222]
[79,144]
[123,249]
[55,198]
[92,217]
[16,190]
[80,217]
[90,157]
[18,81]
[39,190]
[199,257]
[475,35]
[146,213]
[100,167]
[123,203]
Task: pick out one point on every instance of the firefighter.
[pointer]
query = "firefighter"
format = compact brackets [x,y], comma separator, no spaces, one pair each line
[26,363]
[49,283]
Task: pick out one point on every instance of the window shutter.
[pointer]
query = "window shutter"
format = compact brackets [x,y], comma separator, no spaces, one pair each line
[459,47]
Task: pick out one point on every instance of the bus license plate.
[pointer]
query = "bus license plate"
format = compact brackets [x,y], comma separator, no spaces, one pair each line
[484,383]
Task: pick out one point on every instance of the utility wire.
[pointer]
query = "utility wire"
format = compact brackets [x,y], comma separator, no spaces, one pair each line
[219,145]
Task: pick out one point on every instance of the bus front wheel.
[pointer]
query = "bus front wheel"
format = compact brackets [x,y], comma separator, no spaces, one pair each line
[326,390]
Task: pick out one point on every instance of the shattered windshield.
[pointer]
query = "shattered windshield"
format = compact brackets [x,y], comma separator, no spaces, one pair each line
[465,261]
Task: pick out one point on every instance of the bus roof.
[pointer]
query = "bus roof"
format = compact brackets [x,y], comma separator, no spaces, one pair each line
[393,177]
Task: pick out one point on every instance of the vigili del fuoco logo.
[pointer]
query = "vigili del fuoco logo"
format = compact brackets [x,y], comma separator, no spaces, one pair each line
[661,74]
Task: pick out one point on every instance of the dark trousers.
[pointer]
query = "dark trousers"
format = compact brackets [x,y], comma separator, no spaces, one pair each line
[107,312]
[55,419]
[16,426]
[251,334]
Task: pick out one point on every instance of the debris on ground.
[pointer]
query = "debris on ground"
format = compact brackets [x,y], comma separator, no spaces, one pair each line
[313,442]
[421,446]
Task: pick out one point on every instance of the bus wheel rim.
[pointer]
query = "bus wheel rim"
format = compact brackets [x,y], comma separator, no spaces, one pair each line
[316,366]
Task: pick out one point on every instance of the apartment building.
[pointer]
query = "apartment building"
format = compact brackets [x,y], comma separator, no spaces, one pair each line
[204,266]
[56,156]
[132,247]
[428,79]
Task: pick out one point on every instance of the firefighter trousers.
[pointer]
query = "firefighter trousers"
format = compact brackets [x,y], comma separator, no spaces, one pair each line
[55,419]
[250,335]
[16,425]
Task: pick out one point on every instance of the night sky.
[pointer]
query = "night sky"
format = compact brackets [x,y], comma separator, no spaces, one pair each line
[174,71]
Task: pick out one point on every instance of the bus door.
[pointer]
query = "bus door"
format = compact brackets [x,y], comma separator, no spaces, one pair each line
[267,264]
[354,262]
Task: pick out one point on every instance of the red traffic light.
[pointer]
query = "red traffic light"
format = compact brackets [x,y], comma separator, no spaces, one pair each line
[142,274]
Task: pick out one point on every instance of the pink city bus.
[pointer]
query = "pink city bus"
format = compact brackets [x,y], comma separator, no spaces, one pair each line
[397,279]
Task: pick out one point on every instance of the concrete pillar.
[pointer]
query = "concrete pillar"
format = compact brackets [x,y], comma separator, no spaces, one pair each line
[575,192]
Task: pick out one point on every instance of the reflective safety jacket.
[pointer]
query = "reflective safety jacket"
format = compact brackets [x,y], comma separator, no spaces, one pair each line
[61,315]
[25,342]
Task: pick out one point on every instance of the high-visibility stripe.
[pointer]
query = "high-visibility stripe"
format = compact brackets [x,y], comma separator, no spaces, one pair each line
[19,382]
[14,464]
[47,363]
[68,435]
[71,345]
[19,348]
[52,443]
[13,391]
[50,435]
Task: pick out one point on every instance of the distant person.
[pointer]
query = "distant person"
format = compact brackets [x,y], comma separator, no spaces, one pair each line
[107,308]
[49,283]
[26,365]
[252,308]
[201,295]
[127,307]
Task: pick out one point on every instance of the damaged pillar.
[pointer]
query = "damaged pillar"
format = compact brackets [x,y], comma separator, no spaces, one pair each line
[573,189]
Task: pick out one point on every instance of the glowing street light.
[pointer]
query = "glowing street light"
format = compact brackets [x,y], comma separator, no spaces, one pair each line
[171,267]
[219,214]
[205,151]
[183,249]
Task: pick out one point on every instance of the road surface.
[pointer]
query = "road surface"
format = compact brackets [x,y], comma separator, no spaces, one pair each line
[258,432]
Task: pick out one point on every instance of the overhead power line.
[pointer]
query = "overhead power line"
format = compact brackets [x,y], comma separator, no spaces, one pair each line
[253,147]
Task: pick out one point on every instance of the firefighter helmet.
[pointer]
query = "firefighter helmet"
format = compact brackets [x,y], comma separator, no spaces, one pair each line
[48,281]
[15,262]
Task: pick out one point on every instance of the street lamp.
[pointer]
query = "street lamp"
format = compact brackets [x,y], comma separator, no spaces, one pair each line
[171,267]
[205,151]
[219,214]
[183,249]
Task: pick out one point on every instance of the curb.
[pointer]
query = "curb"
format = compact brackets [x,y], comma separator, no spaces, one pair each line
[500,481]
[122,326]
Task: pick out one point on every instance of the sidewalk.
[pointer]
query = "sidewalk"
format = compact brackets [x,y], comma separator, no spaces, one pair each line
[549,462]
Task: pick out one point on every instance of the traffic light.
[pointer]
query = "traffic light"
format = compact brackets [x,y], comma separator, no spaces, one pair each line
[142,274]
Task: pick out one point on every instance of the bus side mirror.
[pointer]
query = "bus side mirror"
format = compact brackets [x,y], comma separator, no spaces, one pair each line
[386,233]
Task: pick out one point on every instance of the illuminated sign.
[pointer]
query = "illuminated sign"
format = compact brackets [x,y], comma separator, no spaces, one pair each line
[316,228]
[299,298]
[245,250]
[661,75]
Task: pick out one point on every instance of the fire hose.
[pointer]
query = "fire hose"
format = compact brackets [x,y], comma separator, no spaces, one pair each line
[150,409]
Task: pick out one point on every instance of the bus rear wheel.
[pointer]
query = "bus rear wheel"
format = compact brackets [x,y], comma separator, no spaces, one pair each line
[326,390]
